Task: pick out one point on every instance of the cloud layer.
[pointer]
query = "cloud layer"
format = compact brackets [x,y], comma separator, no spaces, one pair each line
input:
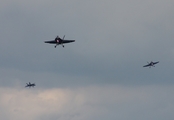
[93,102]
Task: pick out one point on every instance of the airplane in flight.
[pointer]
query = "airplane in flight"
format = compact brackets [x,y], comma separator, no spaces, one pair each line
[30,85]
[59,41]
[151,64]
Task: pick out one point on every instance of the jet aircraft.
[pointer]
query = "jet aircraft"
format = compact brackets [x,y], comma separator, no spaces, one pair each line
[59,41]
[30,85]
[151,64]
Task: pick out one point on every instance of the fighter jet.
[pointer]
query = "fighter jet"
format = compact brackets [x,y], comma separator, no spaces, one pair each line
[151,64]
[59,41]
[30,85]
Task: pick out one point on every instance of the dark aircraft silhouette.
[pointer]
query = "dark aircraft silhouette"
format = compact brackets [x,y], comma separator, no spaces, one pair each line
[30,85]
[59,41]
[151,64]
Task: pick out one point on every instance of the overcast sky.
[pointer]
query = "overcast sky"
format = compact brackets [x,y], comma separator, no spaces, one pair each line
[99,76]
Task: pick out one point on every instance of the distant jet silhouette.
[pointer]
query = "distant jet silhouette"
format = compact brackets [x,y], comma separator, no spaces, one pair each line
[30,85]
[151,64]
[59,41]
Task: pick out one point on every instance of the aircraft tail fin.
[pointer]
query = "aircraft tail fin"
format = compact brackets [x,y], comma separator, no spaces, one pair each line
[57,38]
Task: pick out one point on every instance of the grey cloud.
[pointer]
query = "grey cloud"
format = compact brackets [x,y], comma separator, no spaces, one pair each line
[114,39]
[100,76]
[94,102]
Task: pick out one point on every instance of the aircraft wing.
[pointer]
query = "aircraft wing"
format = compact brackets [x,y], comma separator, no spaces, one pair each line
[146,65]
[155,62]
[51,42]
[68,41]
